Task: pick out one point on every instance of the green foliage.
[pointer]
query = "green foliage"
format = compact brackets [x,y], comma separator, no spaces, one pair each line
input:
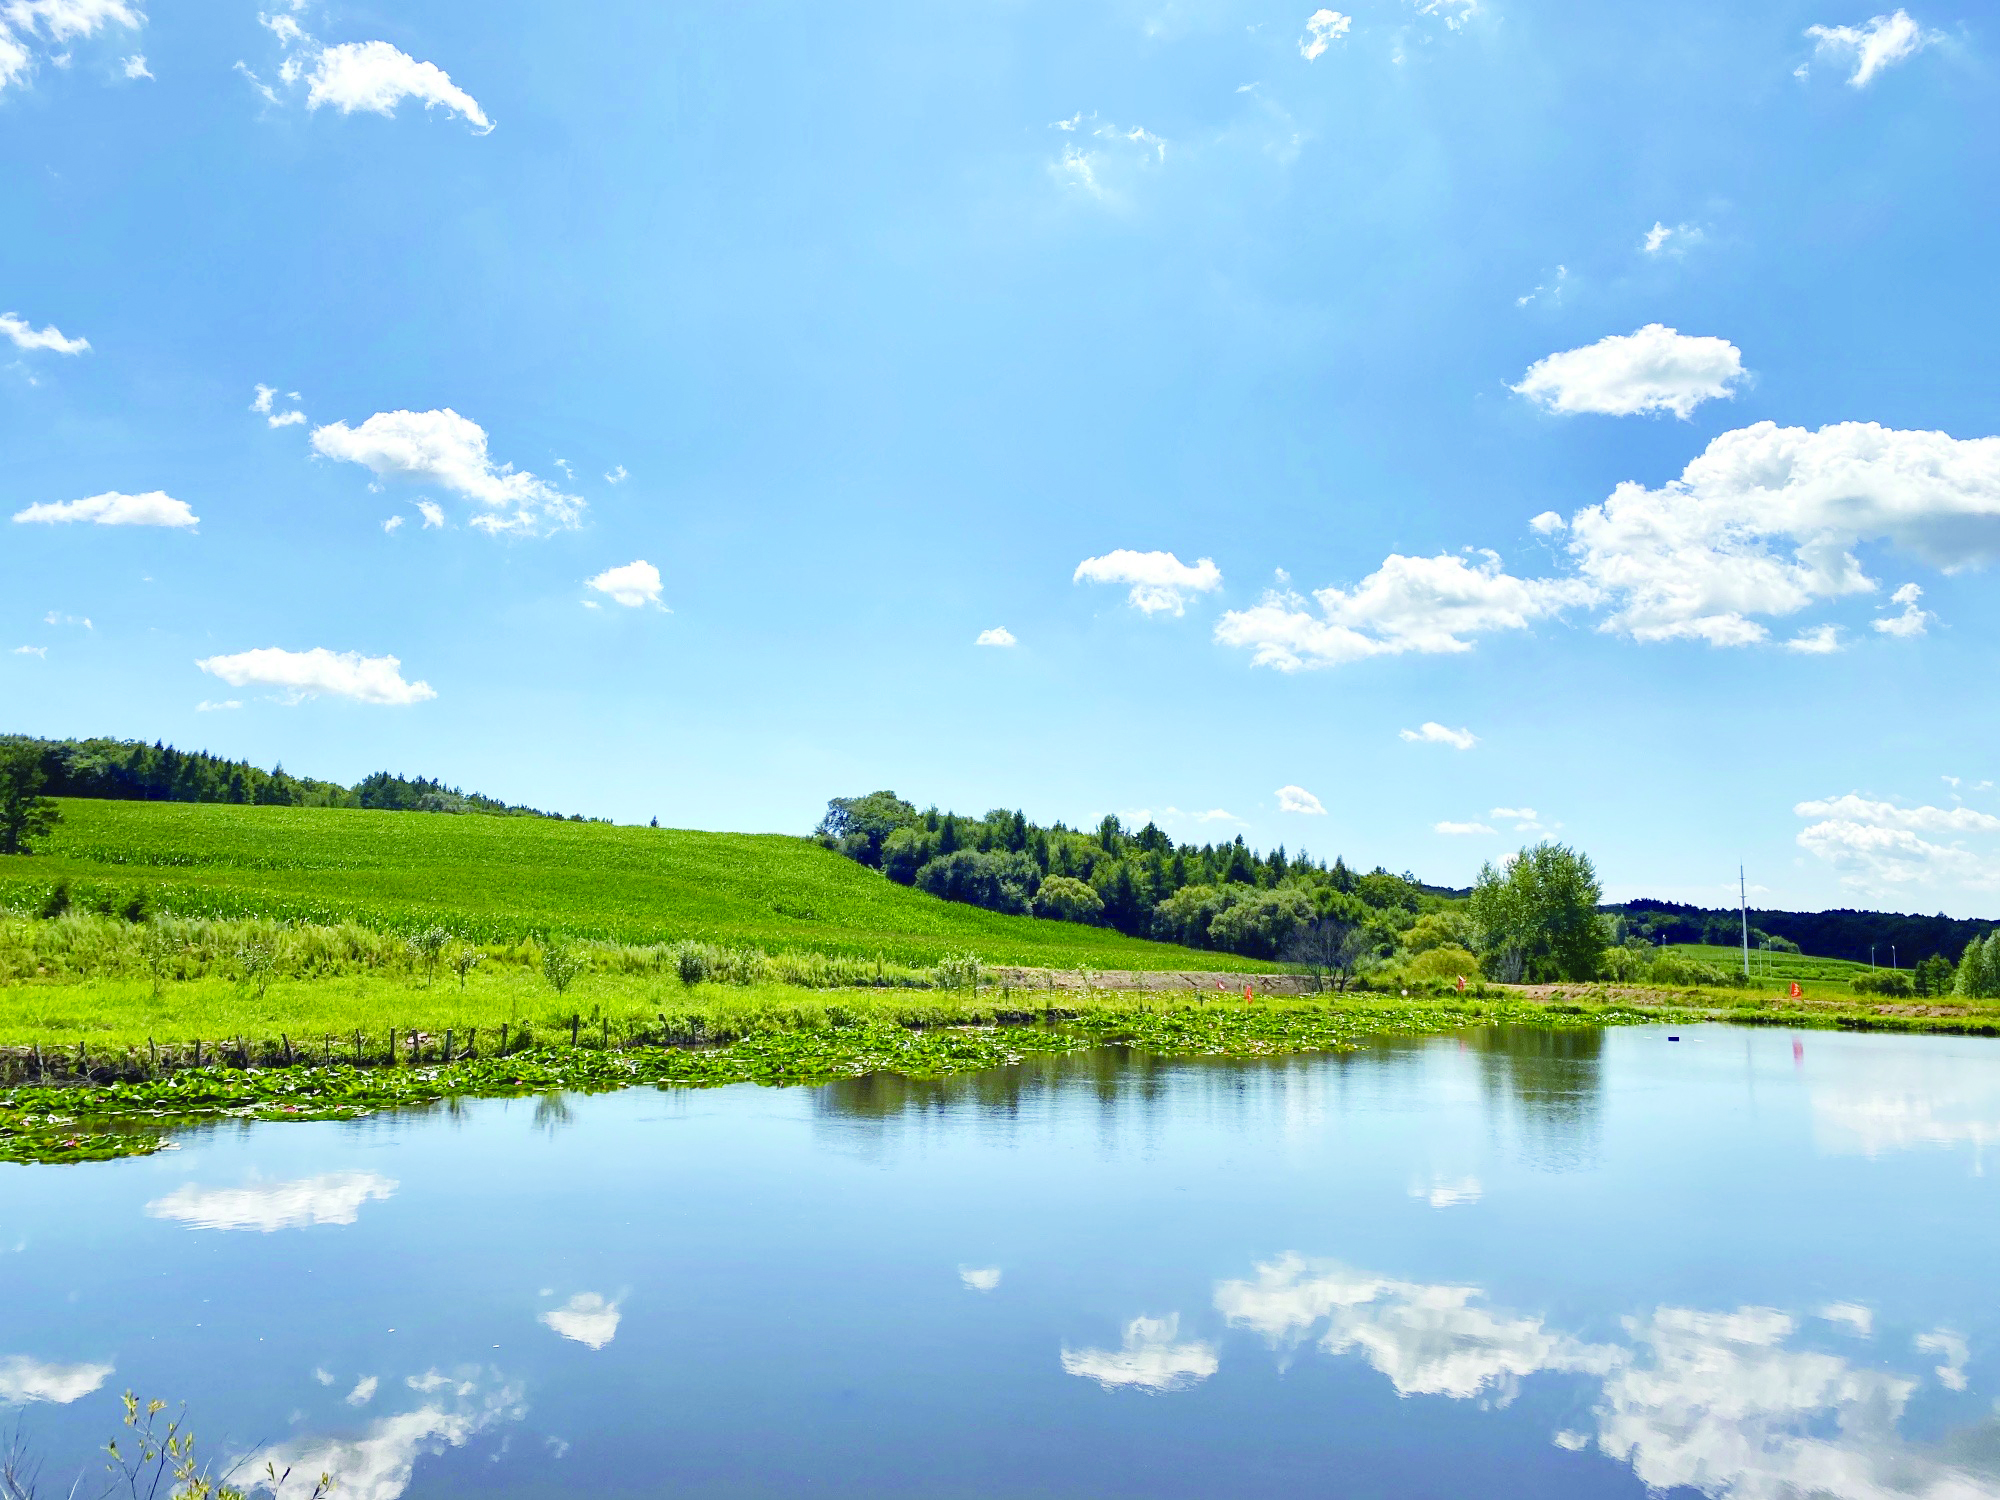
[494,881]
[1452,928]
[426,947]
[1445,961]
[1259,924]
[1933,976]
[998,882]
[1067,899]
[857,826]
[1538,920]
[561,963]
[254,963]
[26,816]
[463,962]
[1979,968]
[1894,982]
[958,971]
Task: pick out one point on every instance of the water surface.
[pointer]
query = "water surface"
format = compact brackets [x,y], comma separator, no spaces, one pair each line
[1518,1262]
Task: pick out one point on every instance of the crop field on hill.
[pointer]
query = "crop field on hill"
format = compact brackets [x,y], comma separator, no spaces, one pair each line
[502,879]
[1781,968]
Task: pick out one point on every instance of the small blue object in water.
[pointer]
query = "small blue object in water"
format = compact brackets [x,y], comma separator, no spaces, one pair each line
[1673,1039]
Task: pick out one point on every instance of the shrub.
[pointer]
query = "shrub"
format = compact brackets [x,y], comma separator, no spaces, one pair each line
[998,882]
[1448,961]
[1067,899]
[958,971]
[1258,924]
[561,963]
[1883,982]
[691,962]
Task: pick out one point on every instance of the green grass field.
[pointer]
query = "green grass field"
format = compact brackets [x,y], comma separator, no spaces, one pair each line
[501,879]
[1828,975]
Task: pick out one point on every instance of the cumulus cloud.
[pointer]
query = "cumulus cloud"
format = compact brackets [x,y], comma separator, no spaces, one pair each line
[1457,829]
[1881,42]
[979,1278]
[1913,621]
[1421,604]
[999,635]
[1766,520]
[634,584]
[135,66]
[1951,1374]
[379,1465]
[23,1380]
[1524,819]
[154,508]
[1880,846]
[376,77]
[299,675]
[41,651]
[1433,733]
[1323,29]
[448,450]
[1653,370]
[1160,581]
[330,1198]
[1548,523]
[587,1318]
[433,514]
[1662,239]
[1821,640]
[364,1390]
[1296,799]
[26,336]
[56,23]
[393,525]
[1852,1316]
[1149,1359]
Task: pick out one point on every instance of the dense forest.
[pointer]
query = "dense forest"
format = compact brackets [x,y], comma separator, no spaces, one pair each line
[1907,940]
[132,771]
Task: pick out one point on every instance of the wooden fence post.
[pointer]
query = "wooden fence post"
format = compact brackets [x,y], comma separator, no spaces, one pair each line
[447,1044]
[392,1046]
[574,1019]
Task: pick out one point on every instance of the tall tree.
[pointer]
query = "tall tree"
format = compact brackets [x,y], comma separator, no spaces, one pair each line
[25,815]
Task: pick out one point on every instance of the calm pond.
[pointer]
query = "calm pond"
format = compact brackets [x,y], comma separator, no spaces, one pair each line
[1513,1262]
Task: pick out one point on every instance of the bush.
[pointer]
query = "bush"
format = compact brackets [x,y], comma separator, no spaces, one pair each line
[1067,899]
[998,882]
[958,971]
[690,962]
[1260,923]
[1446,962]
[1883,982]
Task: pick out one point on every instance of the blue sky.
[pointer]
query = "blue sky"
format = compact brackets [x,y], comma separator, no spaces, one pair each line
[1590,383]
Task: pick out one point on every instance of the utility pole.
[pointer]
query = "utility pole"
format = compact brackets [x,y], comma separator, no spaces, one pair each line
[1743,891]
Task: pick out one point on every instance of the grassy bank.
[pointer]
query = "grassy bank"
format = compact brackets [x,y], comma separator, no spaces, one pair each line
[500,880]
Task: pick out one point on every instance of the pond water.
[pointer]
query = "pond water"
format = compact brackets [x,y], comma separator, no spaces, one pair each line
[1513,1262]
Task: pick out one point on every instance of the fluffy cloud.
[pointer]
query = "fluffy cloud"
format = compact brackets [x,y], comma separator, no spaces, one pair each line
[633,585]
[1434,733]
[330,1198]
[59,22]
[1765,521]
[1881,42]
[299,675]
[1422,604]
[1161,582]
[1296,799]
[1664,240]
[1913,621]
[1456,829]
[154,508]
[135,66]
[1323,29]
[587,1318]
[364,1390]
[41,651]
[1821,640]
[1524,819]
[26,336]
[1653,370]
[1880,846]
[1149,1360]
[23,1380]
[376,77]
[979,1278]
[999,635]
[379,1465]
[443,448]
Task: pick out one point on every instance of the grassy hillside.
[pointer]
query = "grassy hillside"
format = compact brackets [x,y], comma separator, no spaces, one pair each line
[494,879]
[1778,968]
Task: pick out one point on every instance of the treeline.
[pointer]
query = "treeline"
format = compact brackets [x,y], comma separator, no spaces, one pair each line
[131,771]
[1219,896]
[1823,934]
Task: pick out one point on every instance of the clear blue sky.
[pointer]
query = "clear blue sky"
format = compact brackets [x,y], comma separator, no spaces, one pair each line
[893,318]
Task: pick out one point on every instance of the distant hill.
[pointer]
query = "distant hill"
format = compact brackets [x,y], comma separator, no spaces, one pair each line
[1843,933]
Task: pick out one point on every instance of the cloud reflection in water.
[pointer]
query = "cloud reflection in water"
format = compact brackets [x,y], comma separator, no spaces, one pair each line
[330,1198]
[1150,1360]
[378,1465]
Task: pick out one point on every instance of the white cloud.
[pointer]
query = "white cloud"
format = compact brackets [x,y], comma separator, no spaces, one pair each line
[1555,292]
[379,1465]
[393,525]
[135,66]
[26,336]
[1459,828]
[1850,1315]
[261,400]
[330,1198]
[1765,521]
[1662,240]
[443,448]
[999,635]
[587,1318]
[206,707]
[1434,733]
[1655,369]
[617,475]
[376,77]
[1913,621]
[1524,819]
[1296,799]
[979,1278]
[1454,13]
[154,508]
[1955,1351]
[364,1390]
[1113,156]
[1149,1360]
[1161,582]
[59,22]
[23,1380]
[1881,42]
[306,674]
[433,514]
[1548,523]
[632,585]
[41,651]
[285,419]
[1880,846]
[1821,640]
[1323,29]
[1450,1194]
[1422,604]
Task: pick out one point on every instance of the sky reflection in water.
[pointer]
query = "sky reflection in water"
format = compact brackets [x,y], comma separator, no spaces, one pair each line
[1521,1262]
